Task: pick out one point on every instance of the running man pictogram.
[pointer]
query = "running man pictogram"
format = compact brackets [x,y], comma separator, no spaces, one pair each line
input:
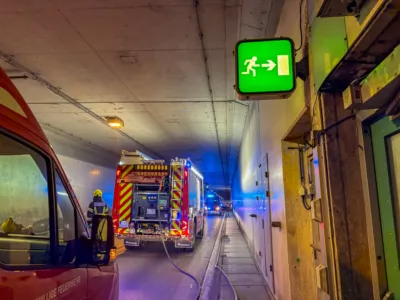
[251,64]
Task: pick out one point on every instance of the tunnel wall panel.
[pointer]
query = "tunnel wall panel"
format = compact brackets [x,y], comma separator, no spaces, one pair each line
[266,125]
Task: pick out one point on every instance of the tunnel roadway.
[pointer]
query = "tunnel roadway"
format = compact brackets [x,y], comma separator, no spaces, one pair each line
[147,274]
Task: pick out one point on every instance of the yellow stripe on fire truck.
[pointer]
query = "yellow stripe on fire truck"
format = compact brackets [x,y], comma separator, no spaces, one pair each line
[126,170]
[176,195]
[125,202]
[176,204]
[177,185]
[176,199]
[175,226]
[177,173]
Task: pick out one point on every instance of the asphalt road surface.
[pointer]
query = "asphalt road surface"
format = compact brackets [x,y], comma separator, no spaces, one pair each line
[147,274]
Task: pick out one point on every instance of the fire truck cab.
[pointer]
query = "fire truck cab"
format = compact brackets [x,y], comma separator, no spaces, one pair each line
[156,200]
[47,250]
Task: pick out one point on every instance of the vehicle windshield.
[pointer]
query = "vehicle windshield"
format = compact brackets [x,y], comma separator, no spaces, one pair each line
[213,202]
[23,186]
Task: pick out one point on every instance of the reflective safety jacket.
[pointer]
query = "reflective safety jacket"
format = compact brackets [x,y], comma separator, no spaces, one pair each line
[96,207]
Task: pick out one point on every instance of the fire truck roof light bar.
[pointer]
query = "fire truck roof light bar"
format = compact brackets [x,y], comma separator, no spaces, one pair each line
[154,162]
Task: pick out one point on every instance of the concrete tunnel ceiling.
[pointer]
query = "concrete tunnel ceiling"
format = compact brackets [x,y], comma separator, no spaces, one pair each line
[143,61]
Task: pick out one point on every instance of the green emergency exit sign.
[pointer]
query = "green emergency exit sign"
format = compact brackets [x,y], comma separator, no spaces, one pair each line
[265,67]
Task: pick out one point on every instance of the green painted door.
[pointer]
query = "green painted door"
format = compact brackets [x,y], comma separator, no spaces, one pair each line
[386,147]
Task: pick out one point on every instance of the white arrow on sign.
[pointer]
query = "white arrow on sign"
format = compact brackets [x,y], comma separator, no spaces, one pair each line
[270,65]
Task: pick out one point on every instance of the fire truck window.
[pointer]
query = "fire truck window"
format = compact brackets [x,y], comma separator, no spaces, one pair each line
[192,190]
[66,223]
[198,190]
[24,205]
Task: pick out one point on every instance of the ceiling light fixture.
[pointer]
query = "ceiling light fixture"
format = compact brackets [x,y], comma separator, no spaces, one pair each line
[115,122]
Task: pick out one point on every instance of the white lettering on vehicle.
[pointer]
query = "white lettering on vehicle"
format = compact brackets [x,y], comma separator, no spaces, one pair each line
[61,289]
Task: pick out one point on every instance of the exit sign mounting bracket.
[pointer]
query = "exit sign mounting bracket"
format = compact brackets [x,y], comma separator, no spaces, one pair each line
[302,70]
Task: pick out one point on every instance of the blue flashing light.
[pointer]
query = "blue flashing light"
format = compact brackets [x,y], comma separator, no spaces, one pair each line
[188,164]
[210,196]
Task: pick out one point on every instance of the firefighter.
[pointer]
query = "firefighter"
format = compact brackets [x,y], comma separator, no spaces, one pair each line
[97,206]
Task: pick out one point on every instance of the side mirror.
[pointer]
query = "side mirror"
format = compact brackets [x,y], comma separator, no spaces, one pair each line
[102,241]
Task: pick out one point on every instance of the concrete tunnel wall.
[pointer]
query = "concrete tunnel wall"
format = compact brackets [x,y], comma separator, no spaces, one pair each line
[267,122]
[85,177]
[87,168]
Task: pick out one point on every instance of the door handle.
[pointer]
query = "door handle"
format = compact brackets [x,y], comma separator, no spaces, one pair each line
[315,247]
[253,215]
[276,224]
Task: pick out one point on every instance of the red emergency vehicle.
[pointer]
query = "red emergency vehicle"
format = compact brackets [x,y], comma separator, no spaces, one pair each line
[46,248]
[154,199]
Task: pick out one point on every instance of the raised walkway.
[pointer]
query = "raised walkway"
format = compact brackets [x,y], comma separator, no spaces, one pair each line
[237,263]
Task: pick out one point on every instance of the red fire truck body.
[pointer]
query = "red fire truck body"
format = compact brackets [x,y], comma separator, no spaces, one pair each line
[154,200]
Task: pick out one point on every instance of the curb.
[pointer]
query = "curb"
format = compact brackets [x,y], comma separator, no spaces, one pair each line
[209,278]
[206,288]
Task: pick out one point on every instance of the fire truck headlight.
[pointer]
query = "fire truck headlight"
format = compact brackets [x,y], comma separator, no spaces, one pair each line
[217,208]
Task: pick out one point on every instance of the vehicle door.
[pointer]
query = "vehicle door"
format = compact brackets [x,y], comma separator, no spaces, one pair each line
[386,150]
[39,229]
[102,281]
[266,222]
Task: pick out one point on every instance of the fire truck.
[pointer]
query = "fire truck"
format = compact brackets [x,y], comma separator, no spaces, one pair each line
[214,204]
[155,200]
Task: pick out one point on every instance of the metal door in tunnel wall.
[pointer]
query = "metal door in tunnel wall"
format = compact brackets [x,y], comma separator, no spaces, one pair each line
[386,150]
[259,222]
[255,220]
[265,217]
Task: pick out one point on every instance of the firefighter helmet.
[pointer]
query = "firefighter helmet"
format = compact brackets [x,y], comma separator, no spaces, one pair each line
[98,193]
[9,226]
